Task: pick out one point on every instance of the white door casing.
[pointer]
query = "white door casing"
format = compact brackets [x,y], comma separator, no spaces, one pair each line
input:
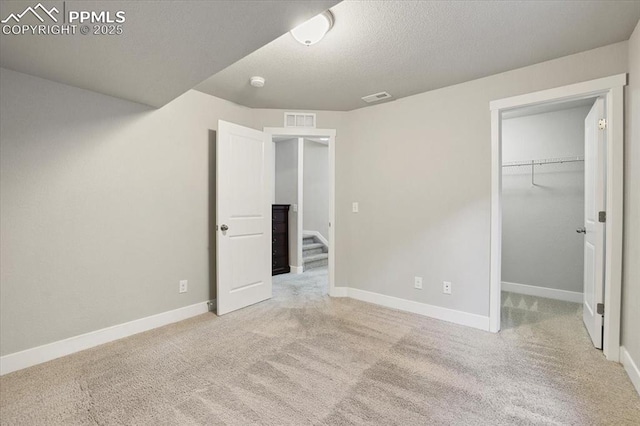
[612,90]
[594,202]
[330,134]
[243,217]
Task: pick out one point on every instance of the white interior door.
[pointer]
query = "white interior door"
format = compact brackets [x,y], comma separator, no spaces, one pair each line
[243,217]
[594,149]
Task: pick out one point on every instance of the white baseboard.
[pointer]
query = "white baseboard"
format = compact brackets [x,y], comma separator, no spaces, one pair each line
[548,293]
[318,235]
[38,355]
[432,311]
[296,269]
[630,367]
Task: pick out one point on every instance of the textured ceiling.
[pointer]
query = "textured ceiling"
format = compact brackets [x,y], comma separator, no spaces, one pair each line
[408,47]
[166,48]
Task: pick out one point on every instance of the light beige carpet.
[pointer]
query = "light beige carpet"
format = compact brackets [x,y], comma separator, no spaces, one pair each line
[303,358]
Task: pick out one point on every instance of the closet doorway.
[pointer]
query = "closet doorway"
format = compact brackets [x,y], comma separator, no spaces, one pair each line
[556,214]
[550,169]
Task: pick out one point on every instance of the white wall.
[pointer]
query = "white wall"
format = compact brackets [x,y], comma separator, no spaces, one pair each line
[540,246]
[104,207]
[286,191]
[316,188]
[420,167]
[545,135]
[631,259]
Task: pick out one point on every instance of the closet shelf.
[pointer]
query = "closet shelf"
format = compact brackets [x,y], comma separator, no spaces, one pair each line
[542,162]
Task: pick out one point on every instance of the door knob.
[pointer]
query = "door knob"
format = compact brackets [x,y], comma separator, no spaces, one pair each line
[224,228]
[581,230]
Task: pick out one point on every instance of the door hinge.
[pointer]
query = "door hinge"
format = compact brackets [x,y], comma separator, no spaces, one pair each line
[602,123]
[602,217]
[600,308]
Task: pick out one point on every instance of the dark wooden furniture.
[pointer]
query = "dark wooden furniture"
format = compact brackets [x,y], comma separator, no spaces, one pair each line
[280,239]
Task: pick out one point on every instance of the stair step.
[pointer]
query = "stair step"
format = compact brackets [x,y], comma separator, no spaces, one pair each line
[312,246]
[315,264]
[315,257]
[312,252]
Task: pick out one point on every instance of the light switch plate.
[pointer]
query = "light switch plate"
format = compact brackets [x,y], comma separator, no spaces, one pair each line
[354,207]
[295,207]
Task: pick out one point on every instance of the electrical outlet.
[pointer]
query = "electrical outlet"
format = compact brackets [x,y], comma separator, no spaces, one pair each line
[295,207]
[446,287]
[183,286]
[417,282]
[354,207]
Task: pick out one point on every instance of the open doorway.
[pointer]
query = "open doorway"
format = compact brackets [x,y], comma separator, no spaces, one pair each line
[304,188]
[546,261]
[287,196]
[249,224]
[315,212]
[603,168]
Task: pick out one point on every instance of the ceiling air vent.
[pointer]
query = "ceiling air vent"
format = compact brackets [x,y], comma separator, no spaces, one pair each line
[376,97]
[299,119]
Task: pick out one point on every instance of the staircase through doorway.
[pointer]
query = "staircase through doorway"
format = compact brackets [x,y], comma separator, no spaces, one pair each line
[314,252]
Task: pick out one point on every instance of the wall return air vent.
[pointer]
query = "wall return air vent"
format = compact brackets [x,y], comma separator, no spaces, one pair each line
[299,119]
[376,97]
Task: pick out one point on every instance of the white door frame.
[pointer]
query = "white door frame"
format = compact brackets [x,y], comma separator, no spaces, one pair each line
[297,132]
[612,89]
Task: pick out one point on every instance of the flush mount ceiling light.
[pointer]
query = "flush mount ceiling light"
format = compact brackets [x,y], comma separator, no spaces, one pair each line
[314,29]
[257,81]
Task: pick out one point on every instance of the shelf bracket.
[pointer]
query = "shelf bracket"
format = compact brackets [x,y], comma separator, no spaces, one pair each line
[533,166]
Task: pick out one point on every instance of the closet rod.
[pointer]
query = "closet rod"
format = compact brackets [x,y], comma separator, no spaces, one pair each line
[532,163]
[543,162]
